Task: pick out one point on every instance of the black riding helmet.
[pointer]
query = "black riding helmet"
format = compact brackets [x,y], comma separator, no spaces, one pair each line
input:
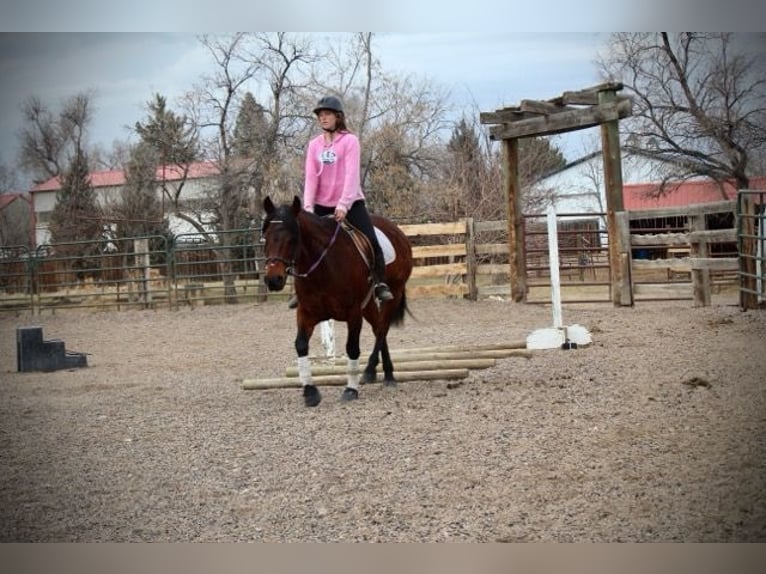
[329,103]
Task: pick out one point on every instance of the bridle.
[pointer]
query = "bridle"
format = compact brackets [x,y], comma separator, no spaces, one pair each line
[290,264]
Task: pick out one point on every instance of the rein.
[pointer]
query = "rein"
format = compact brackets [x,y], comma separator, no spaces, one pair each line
[291,264]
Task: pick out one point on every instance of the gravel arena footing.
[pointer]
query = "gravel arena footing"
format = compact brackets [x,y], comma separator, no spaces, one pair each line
[655,432]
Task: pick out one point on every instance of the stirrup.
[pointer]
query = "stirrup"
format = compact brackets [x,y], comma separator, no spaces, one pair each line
[292,302]
[382,292]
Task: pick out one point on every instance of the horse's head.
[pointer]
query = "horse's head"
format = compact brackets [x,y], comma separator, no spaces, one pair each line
[281,234]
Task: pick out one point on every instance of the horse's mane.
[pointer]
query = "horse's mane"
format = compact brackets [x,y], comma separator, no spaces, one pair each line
[282,214]
[285,215]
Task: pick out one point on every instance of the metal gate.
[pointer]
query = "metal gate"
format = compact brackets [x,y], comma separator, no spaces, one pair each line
[137,272]
[751,240]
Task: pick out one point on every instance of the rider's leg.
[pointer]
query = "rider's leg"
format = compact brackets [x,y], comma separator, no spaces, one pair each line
[360,218]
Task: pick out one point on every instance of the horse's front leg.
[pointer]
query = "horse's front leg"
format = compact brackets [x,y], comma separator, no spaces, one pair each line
[311,395]
[351,391]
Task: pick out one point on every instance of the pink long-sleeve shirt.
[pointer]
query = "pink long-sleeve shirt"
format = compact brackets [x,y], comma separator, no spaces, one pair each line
[332,172]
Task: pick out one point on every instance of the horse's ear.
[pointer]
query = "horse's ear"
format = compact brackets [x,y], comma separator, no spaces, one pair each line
[268,205]
[296,205]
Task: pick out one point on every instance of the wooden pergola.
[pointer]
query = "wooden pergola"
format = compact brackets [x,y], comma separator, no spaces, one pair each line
[598,105]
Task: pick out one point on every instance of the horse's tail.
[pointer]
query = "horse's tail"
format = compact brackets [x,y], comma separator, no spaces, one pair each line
[398,317]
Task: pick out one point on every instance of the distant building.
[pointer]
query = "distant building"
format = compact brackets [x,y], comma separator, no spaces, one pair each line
[197,182]
[577,191]
[7,199]
[16,219]
[578,187]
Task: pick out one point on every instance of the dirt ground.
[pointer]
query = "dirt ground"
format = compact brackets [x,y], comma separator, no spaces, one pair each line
[655,432]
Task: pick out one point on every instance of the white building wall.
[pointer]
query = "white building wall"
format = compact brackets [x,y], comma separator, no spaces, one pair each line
[579,189]
[45,201]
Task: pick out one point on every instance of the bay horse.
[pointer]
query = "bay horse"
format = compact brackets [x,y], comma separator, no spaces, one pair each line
[333,281]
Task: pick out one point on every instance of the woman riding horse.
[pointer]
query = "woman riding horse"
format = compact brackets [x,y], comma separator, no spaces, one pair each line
[332,280]
[332,182]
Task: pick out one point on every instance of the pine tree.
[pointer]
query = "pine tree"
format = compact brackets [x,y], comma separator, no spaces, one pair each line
[139,212]
[170,135]
[537,157]
[252,152]
[76,215]
[250,129]
[76,224]
[466,167]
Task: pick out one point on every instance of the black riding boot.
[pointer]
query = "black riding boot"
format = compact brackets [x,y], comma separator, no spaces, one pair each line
[382,292]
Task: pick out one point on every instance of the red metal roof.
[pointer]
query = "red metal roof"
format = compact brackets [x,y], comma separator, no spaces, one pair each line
[8,198]
[116,177]
[643,195]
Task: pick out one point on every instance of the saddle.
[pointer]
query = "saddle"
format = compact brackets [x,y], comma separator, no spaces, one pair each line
[364,247]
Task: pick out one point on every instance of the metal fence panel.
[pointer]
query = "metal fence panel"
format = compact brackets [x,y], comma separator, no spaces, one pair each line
[217,268]
[15,279]
[751,241]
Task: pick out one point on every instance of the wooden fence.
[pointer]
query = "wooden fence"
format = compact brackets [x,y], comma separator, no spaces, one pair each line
[691,250]
[457,259]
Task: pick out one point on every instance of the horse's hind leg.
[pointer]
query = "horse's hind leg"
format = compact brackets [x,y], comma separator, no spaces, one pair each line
[380,350]
[388,365]
[370,374]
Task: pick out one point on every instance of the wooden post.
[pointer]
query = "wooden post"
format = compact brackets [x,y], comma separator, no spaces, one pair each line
[142,265]
[700,277]
[516,236]
[610,145]
[623,230]
[537,118]
[470,259]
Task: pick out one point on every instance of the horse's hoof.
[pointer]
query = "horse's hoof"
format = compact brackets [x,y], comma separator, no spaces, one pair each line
[368,378]
[349,394]
[311,395]
[391,383]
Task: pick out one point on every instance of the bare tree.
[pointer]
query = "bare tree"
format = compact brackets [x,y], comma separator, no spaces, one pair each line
[50,142]
[699,100]
[400,121]
[15,223]
[415,110]
[267,65]
[15,212]
[348,70]
[112,158]
[465,170]
[471,175]
[283,63]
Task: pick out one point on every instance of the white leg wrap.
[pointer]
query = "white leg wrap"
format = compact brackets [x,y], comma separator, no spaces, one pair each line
[304,370]
[353,373]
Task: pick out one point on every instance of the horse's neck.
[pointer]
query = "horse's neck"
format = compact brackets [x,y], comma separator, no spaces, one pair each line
[316,234]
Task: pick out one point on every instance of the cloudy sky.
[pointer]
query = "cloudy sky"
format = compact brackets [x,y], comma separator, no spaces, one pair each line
[124,70]
[498,63]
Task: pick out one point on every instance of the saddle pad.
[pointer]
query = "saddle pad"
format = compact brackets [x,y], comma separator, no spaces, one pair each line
[389,255]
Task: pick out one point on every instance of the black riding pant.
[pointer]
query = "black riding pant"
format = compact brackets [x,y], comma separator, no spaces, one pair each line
[359,217]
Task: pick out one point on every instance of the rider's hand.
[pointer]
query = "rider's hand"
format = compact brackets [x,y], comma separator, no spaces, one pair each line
[340,214]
